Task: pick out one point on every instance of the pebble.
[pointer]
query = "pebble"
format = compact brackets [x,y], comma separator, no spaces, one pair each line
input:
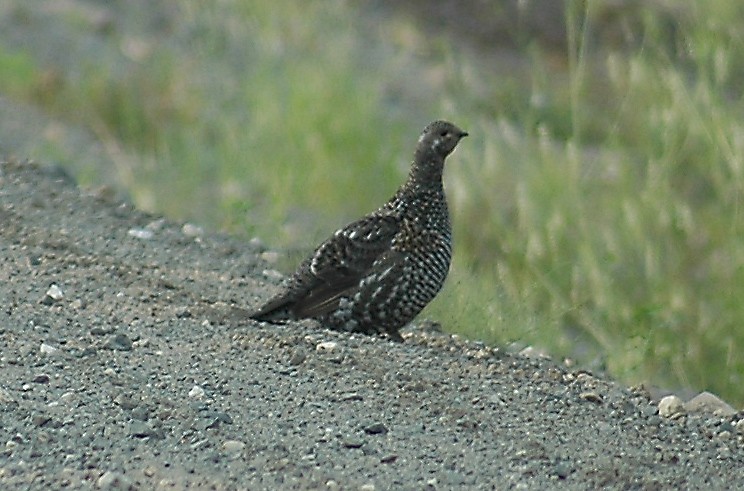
[671,407]
[592,397]
[55,293]
[375,429]
[352,442]
[326,346]
[41,378]
[47,349]
[740,427]
[141,233]
[120,342]
[114,480]
[196,392]
[352,396]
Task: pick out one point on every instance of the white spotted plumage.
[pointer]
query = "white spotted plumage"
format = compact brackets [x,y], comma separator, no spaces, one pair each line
[376,274]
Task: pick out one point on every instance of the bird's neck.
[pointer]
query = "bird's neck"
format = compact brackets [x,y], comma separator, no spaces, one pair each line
[422,195]
[426,172]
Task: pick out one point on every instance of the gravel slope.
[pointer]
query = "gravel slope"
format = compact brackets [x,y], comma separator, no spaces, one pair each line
[126,363]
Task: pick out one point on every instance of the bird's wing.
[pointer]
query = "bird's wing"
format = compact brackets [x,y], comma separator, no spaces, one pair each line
[326,296]
[352,250]
[336,267]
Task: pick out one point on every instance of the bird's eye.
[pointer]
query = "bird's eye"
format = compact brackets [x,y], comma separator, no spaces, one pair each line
[444,133]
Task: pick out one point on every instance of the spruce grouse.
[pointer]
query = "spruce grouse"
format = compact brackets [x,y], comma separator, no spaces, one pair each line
[377,273]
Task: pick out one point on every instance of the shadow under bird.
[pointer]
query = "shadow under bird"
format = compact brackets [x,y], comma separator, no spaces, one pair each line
[376,274]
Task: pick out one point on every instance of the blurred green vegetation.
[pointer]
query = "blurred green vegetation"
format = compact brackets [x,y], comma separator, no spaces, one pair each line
[596,205]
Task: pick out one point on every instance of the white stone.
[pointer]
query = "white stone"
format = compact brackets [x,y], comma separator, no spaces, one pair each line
[671,407]
[196,392]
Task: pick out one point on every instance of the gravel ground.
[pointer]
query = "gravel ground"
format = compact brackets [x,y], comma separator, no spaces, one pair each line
[127,363]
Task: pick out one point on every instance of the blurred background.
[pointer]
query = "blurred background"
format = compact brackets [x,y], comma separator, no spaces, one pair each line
[597,204]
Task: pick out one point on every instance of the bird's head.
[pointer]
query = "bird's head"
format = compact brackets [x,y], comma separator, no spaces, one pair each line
[439,139]
[435,143]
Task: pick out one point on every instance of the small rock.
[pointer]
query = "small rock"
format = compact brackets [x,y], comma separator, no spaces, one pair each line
[740,427]
[114,480]
[120,342]
[389,459]
[141,233]
[141,343]
[55,293]
[367,487]
[705,402]
[34,260]
[196,392]
[41,378]
[47,349]
[352,442]
[352,396]
[592,397]
[375,429]
[671,407]
[326,346]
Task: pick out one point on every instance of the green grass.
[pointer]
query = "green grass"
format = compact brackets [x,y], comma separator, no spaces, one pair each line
[596,204]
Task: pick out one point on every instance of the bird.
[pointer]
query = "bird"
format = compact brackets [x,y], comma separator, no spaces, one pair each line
[374,275]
